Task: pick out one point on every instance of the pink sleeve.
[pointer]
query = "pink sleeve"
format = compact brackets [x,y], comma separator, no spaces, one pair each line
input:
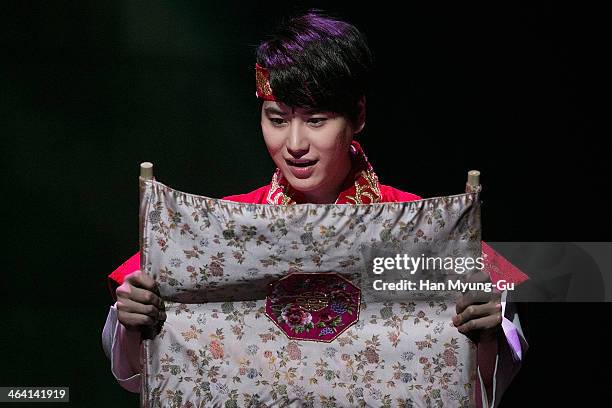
[499,268]
[123,349]
[512,345]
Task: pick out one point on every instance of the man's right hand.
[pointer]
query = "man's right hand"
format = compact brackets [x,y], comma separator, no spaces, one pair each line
[139,307]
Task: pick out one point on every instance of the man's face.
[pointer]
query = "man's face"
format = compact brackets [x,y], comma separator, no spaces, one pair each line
[310,148]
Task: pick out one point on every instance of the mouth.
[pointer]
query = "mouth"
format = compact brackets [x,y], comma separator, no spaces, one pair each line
[300,163]
[302,168]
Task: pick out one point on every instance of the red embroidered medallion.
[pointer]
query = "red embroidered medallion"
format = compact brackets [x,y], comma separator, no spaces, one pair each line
[313,306]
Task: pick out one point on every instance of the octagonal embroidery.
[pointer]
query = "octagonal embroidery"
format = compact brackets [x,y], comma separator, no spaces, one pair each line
[313,306]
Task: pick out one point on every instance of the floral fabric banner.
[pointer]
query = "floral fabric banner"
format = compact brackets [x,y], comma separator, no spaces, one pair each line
[267,305]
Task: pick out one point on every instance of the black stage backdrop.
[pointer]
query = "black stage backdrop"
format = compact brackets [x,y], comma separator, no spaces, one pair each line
[91,89]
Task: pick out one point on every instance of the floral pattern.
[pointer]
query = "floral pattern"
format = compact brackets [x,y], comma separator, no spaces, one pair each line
[214,262]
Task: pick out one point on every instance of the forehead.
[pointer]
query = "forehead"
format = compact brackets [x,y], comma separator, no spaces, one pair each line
[279,107]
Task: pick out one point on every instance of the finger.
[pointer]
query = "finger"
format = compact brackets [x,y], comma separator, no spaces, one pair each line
[139,295]
[472,298]
[477,279]
[476,297]
[483,323]
[146,297]
[135,320]
[129,306]
[141,280]
[476,311]
[464,301]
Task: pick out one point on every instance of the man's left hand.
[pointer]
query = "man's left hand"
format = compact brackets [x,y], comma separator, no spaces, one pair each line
[479,314]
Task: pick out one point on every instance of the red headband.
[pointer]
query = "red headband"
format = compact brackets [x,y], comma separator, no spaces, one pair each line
[262,79]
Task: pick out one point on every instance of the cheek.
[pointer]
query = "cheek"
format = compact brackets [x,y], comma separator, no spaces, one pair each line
[334,143]
[273,139]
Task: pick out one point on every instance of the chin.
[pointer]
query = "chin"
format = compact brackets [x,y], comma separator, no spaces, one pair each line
[303,185]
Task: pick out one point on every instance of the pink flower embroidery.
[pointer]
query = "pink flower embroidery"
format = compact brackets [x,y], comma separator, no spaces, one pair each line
[294,316]
[449,357]
[216,269]
[371,355]
[293,350]
[216,349]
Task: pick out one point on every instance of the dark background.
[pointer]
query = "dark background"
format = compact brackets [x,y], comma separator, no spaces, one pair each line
[91,89]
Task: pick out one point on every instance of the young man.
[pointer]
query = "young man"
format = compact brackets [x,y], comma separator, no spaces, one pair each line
[312,76]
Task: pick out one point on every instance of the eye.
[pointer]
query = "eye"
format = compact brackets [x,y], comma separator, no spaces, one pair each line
[277,121]
[317,122]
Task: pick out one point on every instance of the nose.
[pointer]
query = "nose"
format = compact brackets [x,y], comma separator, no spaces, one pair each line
[297,142]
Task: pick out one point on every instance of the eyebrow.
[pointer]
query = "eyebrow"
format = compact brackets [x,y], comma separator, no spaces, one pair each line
[274,111]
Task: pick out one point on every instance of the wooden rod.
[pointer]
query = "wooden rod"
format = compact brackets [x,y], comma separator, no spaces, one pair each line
[473,177]
[146,170]
[473,181]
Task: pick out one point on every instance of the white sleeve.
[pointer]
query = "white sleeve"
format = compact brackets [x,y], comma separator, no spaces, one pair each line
[118,344]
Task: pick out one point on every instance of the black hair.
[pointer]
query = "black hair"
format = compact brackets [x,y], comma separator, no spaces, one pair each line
[318,62]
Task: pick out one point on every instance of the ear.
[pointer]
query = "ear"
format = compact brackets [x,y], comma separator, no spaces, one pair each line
[362,114]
